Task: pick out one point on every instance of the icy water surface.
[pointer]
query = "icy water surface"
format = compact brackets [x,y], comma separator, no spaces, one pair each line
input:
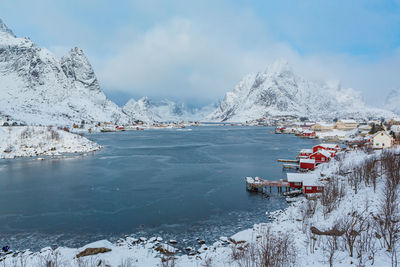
[169,183]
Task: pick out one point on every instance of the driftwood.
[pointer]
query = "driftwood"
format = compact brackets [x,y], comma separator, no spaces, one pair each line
[92,251]
[332,232]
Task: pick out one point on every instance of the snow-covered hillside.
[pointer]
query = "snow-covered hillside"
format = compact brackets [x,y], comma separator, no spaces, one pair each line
[38,88]
[28,141]
[278,91]
[355,222]
[166,110]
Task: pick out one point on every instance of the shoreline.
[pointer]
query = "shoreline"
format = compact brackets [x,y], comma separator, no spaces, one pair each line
[153,251]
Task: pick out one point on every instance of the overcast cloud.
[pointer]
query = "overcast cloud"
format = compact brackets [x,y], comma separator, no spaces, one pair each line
[195,52]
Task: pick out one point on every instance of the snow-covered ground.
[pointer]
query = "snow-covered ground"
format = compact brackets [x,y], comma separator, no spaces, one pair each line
[28,141]
[291,229]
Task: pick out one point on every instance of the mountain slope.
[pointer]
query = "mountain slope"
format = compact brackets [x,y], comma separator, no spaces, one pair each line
[278,92]
[166,110]
[393,101]
[38,88]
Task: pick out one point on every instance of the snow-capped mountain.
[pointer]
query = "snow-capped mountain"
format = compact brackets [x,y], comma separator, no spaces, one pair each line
[36,87]
[166,110]
[278,91]
[393,101]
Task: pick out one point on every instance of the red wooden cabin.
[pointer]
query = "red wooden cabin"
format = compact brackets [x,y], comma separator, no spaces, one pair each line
[305,153]
[312,189]
[307,164]
[321,156]
[307,181]
[333,148]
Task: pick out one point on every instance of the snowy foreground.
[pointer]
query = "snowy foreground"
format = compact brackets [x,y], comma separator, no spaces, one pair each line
[29,141]
[357,214]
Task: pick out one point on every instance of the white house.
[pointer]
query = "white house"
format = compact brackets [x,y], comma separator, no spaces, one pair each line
[381,139]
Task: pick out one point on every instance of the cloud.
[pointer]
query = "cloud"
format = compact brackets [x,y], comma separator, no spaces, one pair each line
[190,60]
[196,51]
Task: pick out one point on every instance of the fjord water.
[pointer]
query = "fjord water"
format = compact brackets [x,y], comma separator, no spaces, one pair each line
[171,183]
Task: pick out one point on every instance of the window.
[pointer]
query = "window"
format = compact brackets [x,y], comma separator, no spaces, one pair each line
[383,144]
[308,187]
[377,144]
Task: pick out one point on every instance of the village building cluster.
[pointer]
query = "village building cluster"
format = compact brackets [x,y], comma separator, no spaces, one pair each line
[349,132]
[376,134]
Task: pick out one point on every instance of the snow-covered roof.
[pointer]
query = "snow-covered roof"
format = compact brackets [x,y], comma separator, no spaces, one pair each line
[348,121]
[324,152]
[306,150]
[364,127]
[395,128]
[323,123]
[308,131]
[328,145]
[307,161]
[308,179]
[381,132]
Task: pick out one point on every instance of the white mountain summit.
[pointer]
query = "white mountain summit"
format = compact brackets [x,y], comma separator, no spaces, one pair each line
[278,91]
[38,88]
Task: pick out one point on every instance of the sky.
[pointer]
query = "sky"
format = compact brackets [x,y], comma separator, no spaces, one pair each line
[196,51]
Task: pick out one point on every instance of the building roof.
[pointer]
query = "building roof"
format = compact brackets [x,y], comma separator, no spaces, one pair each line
[323,152]
[384,132]
[306,150]
[326,124]
[348,121]
[395,128]
[308,179]
[328,145]
[307,161]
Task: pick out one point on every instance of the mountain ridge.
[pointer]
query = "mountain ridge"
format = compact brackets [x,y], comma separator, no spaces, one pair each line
[39,88]
[278,91]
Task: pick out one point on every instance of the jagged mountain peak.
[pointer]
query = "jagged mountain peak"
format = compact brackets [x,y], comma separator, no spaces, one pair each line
[76,66]
[5,29]
[279,91]
[278,67]
[39,88]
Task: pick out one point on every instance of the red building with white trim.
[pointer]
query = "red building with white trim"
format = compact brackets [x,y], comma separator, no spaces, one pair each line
[307,181]
[307,164]
[321,156]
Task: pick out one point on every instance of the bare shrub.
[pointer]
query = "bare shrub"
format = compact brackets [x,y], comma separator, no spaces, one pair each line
[365,246]
[390,162]
[331,196]
[54,135]
[168,261]
[370,171]
[26,133]
[273,250]
[329,248]
[356,177]
[353,224]
[387,220]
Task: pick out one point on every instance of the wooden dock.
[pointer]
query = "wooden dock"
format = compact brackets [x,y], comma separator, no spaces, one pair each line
[289,160]
[291,166]
[263,186]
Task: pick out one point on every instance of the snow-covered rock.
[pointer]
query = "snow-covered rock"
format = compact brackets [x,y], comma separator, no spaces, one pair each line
[38,88]
[278,91]
[28,141]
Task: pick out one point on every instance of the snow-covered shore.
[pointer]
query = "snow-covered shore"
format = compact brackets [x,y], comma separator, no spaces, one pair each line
[357,201]
[29,141]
